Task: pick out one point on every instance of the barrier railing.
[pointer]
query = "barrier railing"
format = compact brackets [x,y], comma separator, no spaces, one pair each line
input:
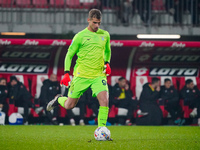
[135,12]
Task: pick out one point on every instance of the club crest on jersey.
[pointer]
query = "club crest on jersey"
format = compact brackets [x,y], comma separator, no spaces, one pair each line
[102,37]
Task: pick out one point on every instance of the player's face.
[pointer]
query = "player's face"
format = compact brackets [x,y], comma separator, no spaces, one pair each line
[3,82]
[167,84]
[94,24]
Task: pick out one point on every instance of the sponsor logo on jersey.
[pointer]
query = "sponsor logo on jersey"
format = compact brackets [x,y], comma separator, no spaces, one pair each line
[23,68]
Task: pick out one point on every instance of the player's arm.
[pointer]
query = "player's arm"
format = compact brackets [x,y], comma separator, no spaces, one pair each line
[73,48]
[107,56]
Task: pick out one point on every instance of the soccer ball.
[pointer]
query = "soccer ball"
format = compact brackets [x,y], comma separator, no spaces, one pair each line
[102,134]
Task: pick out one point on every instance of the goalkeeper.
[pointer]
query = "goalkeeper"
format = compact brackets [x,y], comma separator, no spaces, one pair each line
[92,47]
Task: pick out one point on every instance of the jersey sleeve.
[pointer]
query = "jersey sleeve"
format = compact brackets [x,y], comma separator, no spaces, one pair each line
[107,50]
[73,48]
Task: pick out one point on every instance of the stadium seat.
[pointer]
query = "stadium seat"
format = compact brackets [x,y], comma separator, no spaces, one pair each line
[62,112]
[6,3]
[186,108]
[182,80]
[37,82]
[173,79]
[112,112]
[57,3]
[158,5]
[161,103]
[122,112]
[24,80]
[114,80]
[137,84]
[12,108]
[88,3]
[23,3]
[89,112]
[40,3]
[73,4]
[20,78]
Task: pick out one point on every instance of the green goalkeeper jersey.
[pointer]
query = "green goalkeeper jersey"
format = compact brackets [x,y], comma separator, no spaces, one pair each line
[92,50]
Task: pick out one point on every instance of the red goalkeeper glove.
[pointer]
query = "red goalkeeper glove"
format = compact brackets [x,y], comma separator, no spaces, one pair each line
[65,80]
[107,69]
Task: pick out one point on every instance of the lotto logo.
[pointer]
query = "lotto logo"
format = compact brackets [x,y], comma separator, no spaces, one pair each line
[142,71]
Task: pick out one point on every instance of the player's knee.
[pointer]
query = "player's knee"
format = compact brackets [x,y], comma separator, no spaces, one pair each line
[104,102]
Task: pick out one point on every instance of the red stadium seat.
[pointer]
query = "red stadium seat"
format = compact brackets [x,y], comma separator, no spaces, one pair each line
[89,112]
[6,3]
[137,86]
[23,3]
[11,109]
[161,103]
[62,111]
[24,80]
[73,4]
[20,78]
[40,3]
[182,80]
[57,3]
[158,5]
[88,3]
[173,79]
[186,108]
[112,112]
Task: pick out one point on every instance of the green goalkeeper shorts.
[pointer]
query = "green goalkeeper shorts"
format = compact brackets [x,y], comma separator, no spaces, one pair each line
[80,85]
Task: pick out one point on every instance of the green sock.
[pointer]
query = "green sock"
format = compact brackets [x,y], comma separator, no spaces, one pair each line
[61,101]
[102,116]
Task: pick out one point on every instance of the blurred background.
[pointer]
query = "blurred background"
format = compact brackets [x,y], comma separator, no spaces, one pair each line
[153,42]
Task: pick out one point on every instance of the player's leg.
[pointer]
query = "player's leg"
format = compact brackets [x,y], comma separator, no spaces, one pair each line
[100,89]
[103,108]
[66,102]
[77,88]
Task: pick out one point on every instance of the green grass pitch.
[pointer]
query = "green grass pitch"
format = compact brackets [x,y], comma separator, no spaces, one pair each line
[81,137]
